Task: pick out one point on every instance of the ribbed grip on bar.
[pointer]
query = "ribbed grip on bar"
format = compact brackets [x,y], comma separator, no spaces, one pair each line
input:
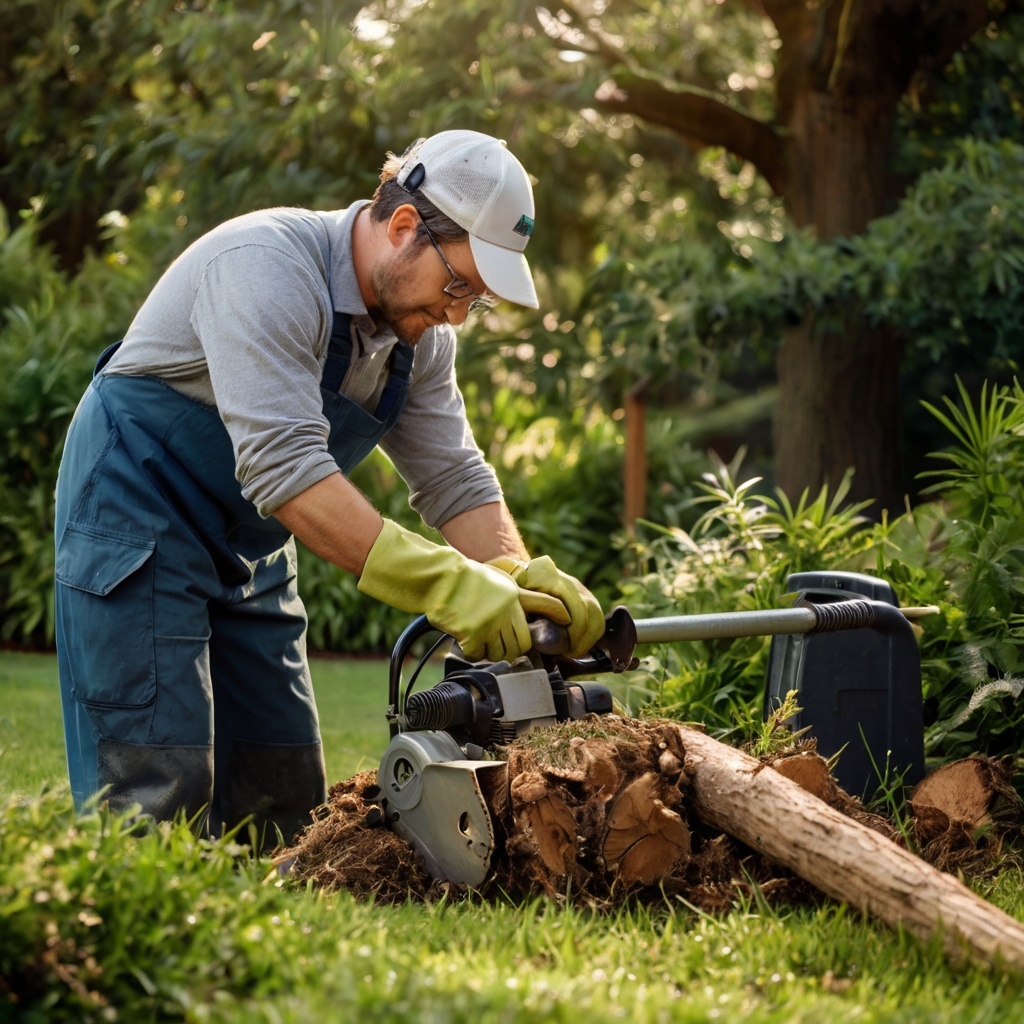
[840,615]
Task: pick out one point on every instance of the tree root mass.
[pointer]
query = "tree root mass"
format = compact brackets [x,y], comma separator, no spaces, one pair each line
[598,811]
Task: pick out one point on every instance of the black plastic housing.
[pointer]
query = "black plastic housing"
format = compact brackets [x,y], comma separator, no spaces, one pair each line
[859,690]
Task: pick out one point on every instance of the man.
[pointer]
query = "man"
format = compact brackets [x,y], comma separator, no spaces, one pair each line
[270,358]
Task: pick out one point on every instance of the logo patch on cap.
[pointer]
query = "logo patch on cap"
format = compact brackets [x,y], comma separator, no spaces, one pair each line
[524,226]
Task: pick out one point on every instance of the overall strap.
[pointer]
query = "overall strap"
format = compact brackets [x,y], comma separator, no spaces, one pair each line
[105,357]
[400,365]
[339,352]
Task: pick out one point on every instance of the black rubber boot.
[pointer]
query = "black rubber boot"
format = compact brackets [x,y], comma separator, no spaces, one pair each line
[279,785]
[162,780]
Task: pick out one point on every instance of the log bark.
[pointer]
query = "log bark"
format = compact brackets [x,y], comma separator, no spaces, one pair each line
[845,860]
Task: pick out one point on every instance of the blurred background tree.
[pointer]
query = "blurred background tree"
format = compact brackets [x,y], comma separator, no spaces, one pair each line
[678,183]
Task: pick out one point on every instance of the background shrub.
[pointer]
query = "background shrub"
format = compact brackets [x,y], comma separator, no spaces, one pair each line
[963,552]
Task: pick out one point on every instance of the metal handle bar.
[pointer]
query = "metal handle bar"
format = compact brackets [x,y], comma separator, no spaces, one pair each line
[819,618]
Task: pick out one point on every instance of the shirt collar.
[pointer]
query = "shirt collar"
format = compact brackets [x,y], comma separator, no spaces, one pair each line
[342,282]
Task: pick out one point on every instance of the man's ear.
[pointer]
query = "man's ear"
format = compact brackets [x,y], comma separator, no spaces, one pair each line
[403,225]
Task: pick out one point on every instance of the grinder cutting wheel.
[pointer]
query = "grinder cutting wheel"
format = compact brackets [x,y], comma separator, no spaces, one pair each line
[846,648]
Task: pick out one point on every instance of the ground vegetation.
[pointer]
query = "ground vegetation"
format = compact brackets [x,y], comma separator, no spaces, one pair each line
[99,922]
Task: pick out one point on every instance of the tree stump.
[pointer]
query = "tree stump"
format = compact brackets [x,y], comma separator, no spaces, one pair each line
[604,809]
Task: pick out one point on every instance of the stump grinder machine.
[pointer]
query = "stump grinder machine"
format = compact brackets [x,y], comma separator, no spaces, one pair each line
[845,647]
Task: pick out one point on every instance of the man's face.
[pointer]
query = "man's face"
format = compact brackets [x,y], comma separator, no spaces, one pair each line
[409,286]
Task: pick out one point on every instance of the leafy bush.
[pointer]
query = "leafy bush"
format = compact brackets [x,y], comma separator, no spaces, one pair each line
[963,553]
[87,915]
[52,328]
[735,558]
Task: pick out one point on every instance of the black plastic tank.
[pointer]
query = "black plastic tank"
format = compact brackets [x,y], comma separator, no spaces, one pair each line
[858,690]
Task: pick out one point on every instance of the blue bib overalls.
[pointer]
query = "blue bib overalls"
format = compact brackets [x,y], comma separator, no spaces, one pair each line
[180,633]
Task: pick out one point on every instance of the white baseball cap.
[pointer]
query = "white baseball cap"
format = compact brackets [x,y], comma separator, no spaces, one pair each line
[473,179]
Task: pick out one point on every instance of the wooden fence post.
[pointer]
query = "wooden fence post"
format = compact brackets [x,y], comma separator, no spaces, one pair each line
[634,466]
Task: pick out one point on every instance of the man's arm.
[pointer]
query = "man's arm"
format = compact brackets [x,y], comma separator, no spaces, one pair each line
[480,605]
[334,520]
[485,532]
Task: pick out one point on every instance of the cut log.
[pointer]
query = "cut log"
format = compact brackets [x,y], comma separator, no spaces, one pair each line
[962,811]
[733,792]
[810,772]
[964,791]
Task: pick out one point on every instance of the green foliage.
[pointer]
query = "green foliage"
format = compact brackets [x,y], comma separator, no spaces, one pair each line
[980,93]
[986,469]
[735,558]
[51,330]
[945,269]
[107,100]
[964,554]
[774,734]
[99,922]
[973,560]
[104,906]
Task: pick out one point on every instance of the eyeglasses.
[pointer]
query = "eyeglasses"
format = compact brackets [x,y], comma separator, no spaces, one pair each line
[456,287]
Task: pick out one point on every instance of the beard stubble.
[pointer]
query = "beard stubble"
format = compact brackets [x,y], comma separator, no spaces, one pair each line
[405,320]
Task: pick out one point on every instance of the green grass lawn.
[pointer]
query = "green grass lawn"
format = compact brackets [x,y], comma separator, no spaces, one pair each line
[99,925]
[350,694]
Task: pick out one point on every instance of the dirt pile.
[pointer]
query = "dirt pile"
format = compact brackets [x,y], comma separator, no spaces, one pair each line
[340,850]
[597,810]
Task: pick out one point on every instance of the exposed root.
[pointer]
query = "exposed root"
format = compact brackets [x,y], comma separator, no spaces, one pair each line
[341,851]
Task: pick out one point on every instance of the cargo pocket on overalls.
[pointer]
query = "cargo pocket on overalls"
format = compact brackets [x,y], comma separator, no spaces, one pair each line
[105,581]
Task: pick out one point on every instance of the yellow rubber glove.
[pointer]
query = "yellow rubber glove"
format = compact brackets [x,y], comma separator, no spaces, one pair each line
[476,603]
[542,576]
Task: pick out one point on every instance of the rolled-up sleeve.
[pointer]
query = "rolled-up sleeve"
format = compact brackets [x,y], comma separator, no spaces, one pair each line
[260,316]
[432,444]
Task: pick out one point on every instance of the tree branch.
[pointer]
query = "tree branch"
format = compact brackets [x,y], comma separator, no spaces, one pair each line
[696,114]
[946,27]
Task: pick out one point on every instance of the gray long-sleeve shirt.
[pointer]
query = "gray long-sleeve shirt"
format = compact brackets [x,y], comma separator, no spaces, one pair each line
[242,320]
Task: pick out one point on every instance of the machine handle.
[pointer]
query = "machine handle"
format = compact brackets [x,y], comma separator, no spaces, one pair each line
[419,626]
[548,637]
[805,618]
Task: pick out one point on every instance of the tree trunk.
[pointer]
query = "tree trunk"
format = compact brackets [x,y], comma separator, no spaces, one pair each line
[839,407]
[839,404]
[836,176]
[844,859]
